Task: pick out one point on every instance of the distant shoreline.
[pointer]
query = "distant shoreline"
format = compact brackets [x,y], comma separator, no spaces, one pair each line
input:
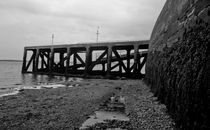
[11,60]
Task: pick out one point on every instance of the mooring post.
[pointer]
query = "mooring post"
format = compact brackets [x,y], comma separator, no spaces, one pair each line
[36,60]
[109,61]
[88,60]
[136,51]
[67,60]
[24,61]
[51,60]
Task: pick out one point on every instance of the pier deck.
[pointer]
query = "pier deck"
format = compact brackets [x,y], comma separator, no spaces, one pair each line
[123,59]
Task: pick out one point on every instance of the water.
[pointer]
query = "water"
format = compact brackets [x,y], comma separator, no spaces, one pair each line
[112,111]
[11,79]
[102,116]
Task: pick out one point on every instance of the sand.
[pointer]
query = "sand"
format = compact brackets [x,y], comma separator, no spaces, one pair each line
[68,107]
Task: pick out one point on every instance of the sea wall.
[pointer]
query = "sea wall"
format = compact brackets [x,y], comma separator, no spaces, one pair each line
[178,64]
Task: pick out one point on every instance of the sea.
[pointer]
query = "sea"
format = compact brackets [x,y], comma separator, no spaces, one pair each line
[12,80]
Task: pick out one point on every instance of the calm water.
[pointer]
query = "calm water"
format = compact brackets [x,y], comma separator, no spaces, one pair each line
[11,78]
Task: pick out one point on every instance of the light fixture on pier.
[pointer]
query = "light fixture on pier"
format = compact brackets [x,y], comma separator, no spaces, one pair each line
[97,34]
[52,39]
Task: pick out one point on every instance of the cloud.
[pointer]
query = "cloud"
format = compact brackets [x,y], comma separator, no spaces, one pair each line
[32,22]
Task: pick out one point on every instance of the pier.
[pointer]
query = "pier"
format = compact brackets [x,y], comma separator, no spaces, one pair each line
[107,59]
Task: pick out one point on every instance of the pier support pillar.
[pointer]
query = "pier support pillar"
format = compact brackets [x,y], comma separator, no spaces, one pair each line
[135,68]
[61,60]
[48,59]
[88,60]
[103,67]
[120,64]
[128,61]
[24,61]
[67,60]
[140,62]
[74,61]
[36,61]
[42,60]
[51,60]
[109,61]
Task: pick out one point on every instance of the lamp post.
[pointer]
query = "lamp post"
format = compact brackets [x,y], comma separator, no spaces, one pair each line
[97,34]
[52,39]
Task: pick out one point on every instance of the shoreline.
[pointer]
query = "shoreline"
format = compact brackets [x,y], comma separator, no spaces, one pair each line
[69,107]
[8,91]
[11,61]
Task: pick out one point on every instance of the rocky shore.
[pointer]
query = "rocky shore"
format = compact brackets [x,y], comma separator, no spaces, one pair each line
[69,107]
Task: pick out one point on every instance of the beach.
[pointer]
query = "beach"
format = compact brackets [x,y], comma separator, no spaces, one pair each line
[68,107]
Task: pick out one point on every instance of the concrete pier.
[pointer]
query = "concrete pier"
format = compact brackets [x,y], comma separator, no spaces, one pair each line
[121,59]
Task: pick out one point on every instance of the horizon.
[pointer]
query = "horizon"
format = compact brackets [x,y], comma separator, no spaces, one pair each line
[11,60]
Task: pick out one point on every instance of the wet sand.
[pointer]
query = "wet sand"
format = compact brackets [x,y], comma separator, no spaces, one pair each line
[69,107]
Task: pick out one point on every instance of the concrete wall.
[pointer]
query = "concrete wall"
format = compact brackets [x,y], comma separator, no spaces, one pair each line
[178,65]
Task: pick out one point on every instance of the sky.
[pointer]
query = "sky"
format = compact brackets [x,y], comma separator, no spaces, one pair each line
[32,22]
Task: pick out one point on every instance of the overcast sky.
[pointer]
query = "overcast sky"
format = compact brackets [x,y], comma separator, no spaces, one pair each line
[32,22]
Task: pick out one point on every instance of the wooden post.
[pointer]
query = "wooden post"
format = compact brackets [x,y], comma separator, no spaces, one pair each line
[109,61]
[139,62]
[136,51]
[103,67]
[24,61]
[88,60]
[48,59]
[34,61]
[120,64]
[128,61]
[61,60]
[42,60]
[120,68]
[37,60]
[143,62]
[75,59]
[68,60]
[51,60]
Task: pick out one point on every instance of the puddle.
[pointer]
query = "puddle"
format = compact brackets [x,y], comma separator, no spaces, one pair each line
[110,116]
[74,80]
[27,87]
[103,117]
[47,86]
[53,86]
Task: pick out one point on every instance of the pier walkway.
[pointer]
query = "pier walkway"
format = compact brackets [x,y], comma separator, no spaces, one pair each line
[122,59]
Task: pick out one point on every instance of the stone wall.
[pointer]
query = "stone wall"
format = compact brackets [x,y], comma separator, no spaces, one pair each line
[178,64]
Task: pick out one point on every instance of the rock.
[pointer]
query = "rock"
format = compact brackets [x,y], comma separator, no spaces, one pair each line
[122,100]
[118,88]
